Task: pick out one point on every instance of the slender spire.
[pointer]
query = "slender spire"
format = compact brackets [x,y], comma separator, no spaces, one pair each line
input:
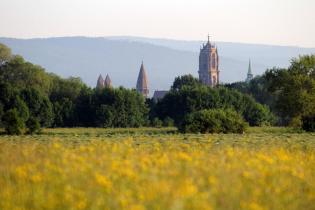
[108,82]
[100,82]
[249,68]
[142,82]
[208,38]
[249,72]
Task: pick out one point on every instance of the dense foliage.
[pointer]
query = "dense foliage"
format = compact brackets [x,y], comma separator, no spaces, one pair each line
[213,121]
[290,93]
[32,98]
[189,98]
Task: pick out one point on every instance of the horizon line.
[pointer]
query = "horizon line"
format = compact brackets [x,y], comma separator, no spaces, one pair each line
[125,37]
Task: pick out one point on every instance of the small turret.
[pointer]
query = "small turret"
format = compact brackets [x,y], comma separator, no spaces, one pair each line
[142,82]
[108,82]
[100,82]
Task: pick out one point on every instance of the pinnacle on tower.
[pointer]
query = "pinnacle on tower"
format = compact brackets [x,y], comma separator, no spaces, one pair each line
[249,72]
[108,82]
[249,68]
[142,82]
[100,82]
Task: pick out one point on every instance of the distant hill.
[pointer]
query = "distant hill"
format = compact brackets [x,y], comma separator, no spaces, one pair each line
[164,59]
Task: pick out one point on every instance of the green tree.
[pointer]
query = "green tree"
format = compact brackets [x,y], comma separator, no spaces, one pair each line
[22,75]
[13,124]
[127,108]
[105,116]
[5,54]
[156,122]
[185,80]
[294,88]
[33,125]
[177,103]
[213,121]
[168,122]
[39,106]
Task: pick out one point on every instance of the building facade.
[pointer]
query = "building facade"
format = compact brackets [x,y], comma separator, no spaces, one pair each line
[209,64]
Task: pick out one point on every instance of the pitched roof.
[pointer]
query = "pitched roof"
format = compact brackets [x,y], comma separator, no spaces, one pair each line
[159,94]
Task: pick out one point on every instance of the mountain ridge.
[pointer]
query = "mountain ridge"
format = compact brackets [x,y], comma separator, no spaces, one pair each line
[164,59]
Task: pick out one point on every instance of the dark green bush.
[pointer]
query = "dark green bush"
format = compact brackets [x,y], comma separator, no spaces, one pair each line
[168,122]
[33,125]
[308,123]
[13,124]
[213,121]
[156,122]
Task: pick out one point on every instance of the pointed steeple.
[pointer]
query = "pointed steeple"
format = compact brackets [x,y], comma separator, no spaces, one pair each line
[108,82]
[250,75]
[142,82]
[249,68]
[100,82]
[208,43]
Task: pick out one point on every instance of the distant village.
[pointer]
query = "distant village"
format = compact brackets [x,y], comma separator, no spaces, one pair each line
[209,73]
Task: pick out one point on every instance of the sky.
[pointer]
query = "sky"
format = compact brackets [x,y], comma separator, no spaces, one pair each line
[277,22]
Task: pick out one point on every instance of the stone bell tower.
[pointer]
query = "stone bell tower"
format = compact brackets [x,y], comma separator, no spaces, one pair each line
[209,64]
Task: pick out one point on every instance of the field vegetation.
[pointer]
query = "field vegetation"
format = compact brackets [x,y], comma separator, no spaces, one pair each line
[150,168]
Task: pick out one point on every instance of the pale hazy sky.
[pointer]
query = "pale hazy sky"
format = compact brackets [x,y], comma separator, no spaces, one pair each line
[282,22]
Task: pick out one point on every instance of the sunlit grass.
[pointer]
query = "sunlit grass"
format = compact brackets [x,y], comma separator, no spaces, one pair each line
[266,168]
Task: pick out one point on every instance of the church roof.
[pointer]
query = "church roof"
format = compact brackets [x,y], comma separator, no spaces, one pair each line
[108,81]
[159,94]
[142,82]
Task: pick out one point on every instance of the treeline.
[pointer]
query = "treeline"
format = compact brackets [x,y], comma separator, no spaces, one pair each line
[289,93]
[31,99]
[188,96]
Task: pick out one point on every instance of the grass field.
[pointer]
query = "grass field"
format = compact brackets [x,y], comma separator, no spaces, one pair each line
[266,168]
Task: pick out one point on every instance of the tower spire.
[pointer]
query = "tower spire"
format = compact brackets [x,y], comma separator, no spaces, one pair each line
[249,67]
[100,82]
[142,82]
[250,75]
[108,82]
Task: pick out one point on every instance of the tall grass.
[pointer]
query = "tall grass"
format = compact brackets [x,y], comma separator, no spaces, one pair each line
[157,169]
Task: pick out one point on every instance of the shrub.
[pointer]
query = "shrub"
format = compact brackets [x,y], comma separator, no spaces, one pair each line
[308,123]
[213,121]
[156,122]
[168,122]
[33,125]
[13,124]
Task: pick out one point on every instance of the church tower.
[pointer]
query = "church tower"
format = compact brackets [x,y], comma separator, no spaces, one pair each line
[142,82]
[250,75]
[209,64]
[100,83]
[108,82]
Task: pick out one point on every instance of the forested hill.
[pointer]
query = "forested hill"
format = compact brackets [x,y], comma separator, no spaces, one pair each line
[120,57]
